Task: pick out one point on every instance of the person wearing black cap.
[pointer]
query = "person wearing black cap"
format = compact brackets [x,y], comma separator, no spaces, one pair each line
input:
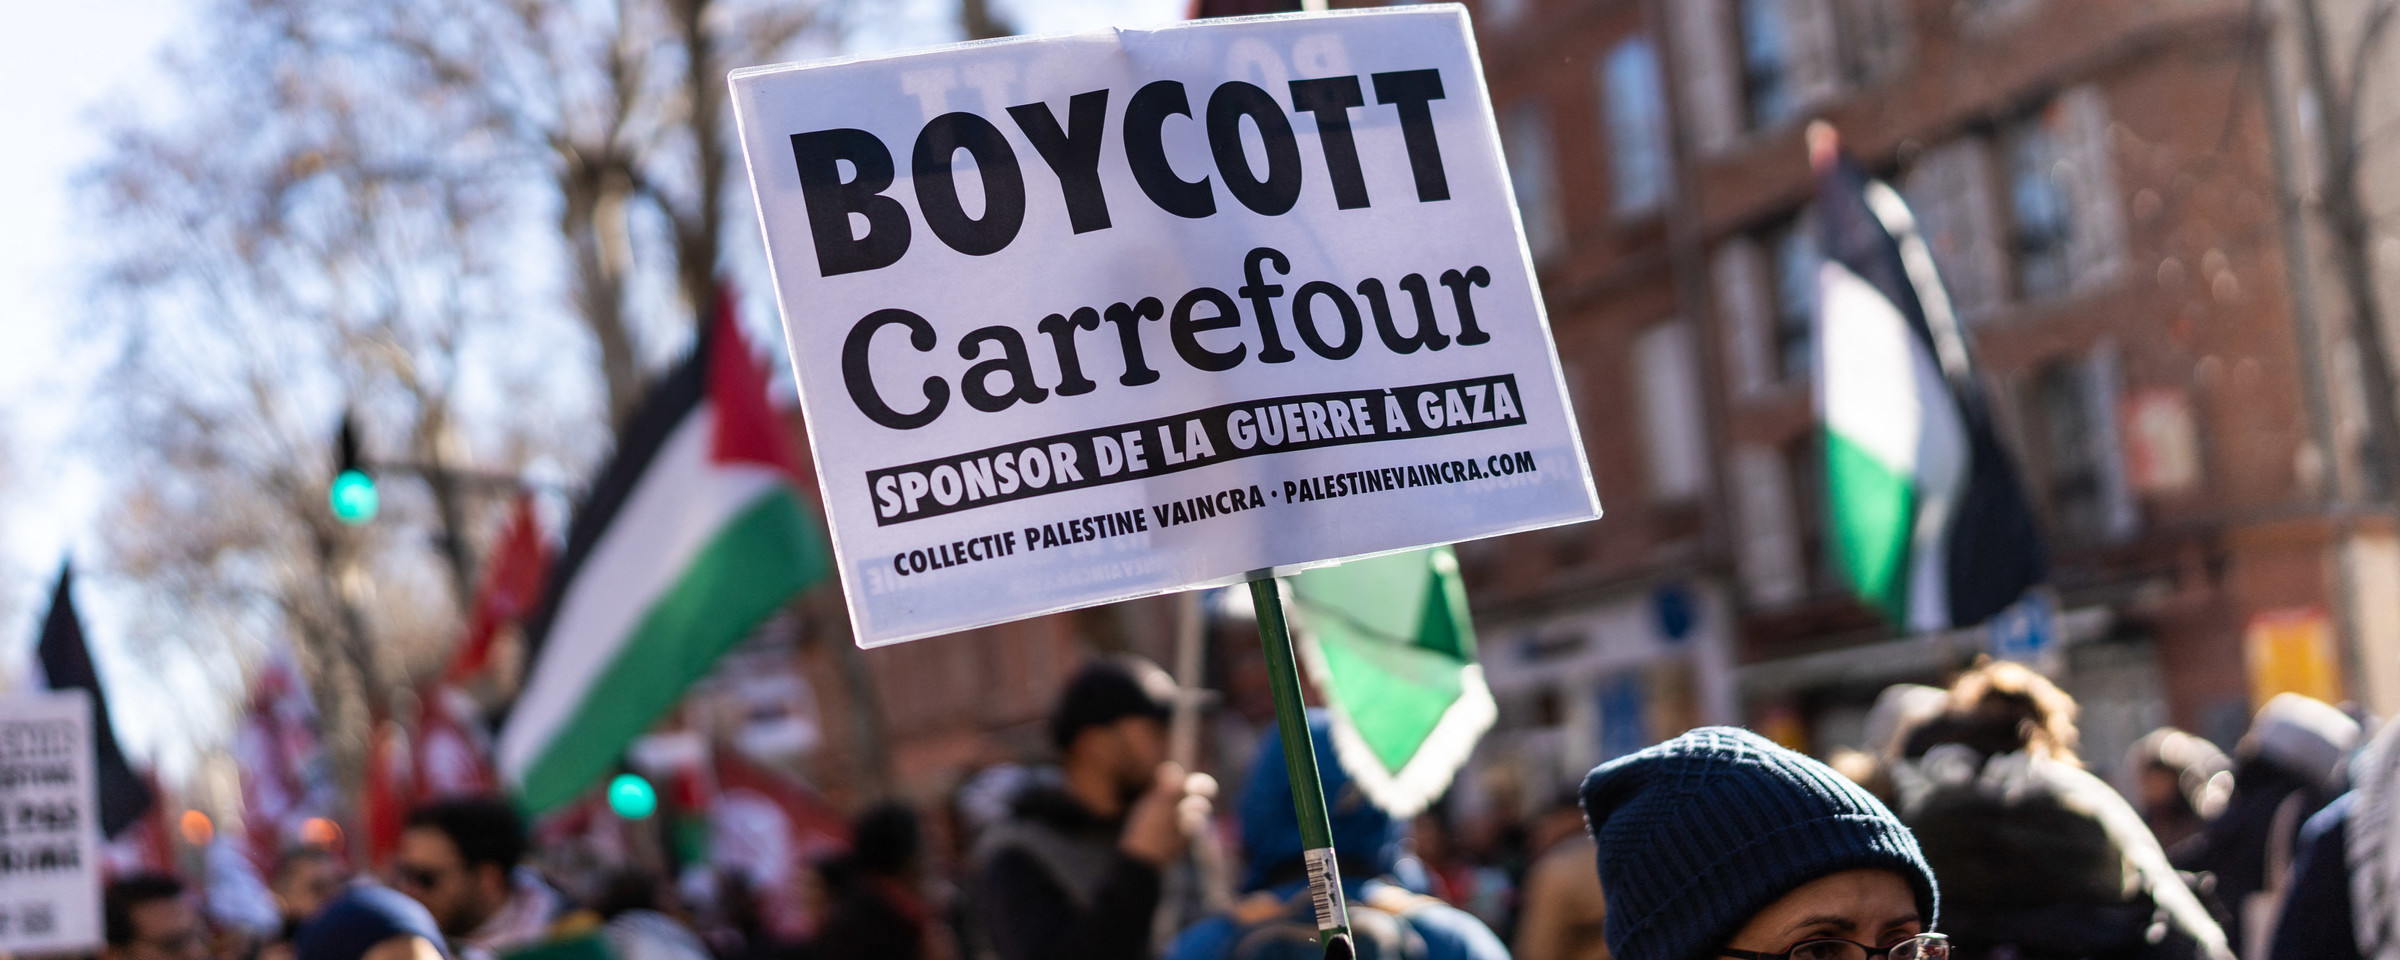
[1074,872]
[1720,843]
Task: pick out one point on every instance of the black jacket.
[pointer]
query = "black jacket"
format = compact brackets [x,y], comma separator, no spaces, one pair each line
[2039,859]
[2234,847]
[1051,884]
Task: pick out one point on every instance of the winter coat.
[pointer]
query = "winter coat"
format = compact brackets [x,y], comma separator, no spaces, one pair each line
[2041,858]
[2343,901]
[1050,884]
[1276,920]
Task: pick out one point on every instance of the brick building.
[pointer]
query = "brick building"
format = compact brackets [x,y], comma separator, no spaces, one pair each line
[2119,195]
[2102,184]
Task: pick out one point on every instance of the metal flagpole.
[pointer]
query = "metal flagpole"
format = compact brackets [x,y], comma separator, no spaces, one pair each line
[1199,878]
[1300,765]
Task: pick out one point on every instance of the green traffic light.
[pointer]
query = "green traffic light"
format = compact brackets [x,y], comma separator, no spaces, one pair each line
[632,797]
[353,497]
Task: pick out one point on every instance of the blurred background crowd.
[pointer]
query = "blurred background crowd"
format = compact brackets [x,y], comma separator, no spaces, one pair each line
[355,301]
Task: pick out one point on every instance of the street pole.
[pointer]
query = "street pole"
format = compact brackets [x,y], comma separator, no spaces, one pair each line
[1300,766]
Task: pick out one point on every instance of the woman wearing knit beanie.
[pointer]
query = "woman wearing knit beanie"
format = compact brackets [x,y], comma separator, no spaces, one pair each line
[1719,843]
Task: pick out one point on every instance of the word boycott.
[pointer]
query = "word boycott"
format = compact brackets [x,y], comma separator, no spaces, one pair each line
[1171,444]
[1073,153]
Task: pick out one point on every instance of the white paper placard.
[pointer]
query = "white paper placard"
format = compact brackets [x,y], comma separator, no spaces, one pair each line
[49,825]
[1079,319]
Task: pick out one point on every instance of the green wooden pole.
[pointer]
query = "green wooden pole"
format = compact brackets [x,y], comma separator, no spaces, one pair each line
[1300,765]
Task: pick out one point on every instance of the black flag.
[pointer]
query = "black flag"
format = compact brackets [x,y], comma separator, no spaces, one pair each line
[67,665]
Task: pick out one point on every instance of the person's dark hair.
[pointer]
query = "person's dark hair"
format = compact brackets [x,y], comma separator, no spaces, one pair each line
[294,858]
[485,829]
[1108,690]
[130,891]
[886,840]
[625,892]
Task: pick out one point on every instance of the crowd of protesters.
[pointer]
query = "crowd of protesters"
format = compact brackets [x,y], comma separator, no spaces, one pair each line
[1966,826]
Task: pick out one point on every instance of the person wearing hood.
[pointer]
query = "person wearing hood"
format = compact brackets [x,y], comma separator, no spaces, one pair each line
[2289,766]
[2343,902]
[1274,918]
[1074,872]
[1719,843]
[2041,858]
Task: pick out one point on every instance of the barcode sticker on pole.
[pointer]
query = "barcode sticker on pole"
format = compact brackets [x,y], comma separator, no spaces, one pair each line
[1325,889]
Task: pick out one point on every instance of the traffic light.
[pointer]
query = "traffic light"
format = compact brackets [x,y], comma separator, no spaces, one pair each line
[632,797]
[352,495]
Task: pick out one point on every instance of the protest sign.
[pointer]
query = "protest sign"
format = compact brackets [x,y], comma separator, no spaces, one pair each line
[1079,319]
[49,825]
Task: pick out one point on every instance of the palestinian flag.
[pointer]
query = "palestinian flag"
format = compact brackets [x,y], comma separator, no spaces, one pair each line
[1389,643]
[1925,515]
[692,535]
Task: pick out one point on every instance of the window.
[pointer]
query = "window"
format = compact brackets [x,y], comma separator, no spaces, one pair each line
[1503,13]
[2041,229]
[1793,245]
[1666,371]
[1766,48]
[2070,471]
[1738,271]
[2081,469]
[1983,16]
[1873,38]
[1635,101]
[1951,190]
[1708,72]
[1525,139]
[1804,463]
[1769,562]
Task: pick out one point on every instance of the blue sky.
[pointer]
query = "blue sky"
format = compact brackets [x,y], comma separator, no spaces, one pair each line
[60,64]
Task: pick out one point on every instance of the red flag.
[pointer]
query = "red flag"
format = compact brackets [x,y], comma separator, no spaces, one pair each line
[453,751]
[512,584]
[148,844]
[389,780]
[767,825]
[282,777]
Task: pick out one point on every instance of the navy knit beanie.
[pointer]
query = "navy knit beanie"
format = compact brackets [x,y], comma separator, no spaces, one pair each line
[1700,833]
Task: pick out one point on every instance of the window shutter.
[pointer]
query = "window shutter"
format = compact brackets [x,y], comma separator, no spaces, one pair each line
[1674,430]
[1816,52]
[1744,313]
[1525,140]
[2121,516]
[1773,572]
[1710,89]
[1950,189]
[2097,247]
[1875,37]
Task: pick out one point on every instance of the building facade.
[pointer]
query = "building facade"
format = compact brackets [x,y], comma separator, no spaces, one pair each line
[2111,192]
[2122,199]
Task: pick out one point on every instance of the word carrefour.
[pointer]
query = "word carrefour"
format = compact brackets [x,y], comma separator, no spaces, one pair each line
[1072,151]
[1203,328]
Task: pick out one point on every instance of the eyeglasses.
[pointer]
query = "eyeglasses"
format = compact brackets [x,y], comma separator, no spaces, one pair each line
[1923,946]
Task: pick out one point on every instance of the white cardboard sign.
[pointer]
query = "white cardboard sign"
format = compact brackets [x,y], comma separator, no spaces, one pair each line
[49,825]
[1085,318]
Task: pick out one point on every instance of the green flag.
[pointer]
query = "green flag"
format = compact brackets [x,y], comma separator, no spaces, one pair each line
[1391,646]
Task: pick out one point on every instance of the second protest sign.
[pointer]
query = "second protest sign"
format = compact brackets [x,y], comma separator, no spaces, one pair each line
[1087,318]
